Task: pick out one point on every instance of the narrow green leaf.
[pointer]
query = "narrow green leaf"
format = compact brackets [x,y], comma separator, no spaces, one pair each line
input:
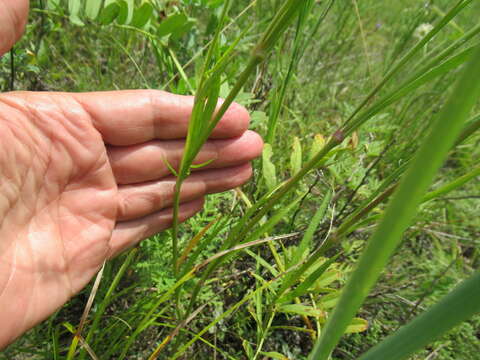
[329,301]
[459,305]
[462,180]
[308,282]
[248,349]
[170,167]
[312,227]
[403,206]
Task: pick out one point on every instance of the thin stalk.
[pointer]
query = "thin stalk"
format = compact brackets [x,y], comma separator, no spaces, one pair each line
[472,126]
[294,60]
[13,75]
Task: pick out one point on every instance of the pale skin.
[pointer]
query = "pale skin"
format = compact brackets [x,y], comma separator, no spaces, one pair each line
[83,178]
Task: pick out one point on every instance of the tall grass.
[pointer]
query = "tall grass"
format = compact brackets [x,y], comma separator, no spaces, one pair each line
[290,237]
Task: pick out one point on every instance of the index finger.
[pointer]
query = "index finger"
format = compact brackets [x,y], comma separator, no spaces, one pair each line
[131,117]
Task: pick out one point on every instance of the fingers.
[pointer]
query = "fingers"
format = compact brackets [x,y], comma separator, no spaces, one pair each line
[136,201]
[13,17]
[136,116]
[129,233]
[146,162]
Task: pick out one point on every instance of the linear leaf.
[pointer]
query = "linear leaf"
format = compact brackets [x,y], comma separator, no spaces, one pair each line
[459,305]
[402,208]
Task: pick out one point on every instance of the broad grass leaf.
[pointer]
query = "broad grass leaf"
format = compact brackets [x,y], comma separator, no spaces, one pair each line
[269,170]
[142,15]
[296,157]
[357,325]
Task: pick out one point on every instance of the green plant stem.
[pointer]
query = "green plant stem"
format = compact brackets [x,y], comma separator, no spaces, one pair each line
[472,126]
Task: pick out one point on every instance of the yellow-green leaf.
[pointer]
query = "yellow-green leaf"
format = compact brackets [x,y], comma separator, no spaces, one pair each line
[301,309]
[296,157]
[318,144]
[327,278]
[357,325]
[269,171]
[274,355]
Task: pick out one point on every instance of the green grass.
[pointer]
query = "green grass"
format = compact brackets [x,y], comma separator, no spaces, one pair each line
[263,297]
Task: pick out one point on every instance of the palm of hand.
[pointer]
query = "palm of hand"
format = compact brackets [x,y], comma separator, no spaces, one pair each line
[68,201]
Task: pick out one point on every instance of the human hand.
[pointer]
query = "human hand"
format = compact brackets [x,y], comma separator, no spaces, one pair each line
[83,177]
[13,17]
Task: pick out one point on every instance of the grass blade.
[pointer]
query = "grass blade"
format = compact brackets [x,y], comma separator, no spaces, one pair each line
[464,299]
[402,208]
